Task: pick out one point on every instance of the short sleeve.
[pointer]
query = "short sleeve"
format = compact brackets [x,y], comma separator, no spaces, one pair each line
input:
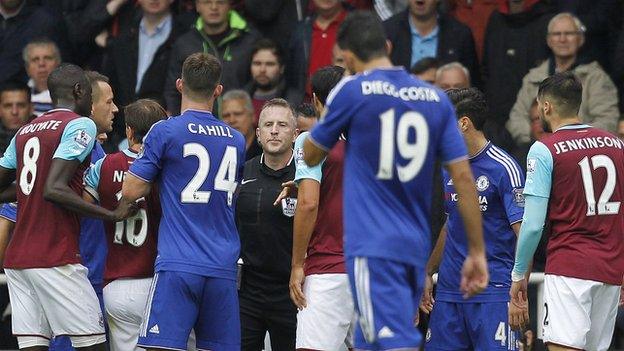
[338,113]
[149,161]
[77,140]
[510,187]
[92,178]
[451,146]
[539,171]
[302,170]
[9,211]
[9,160]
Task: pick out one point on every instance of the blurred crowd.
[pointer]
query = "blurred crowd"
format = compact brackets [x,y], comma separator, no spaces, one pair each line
[271,48]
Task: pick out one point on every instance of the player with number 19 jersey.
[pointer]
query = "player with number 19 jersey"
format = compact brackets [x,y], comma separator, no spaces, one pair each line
[396,127]
[197,161]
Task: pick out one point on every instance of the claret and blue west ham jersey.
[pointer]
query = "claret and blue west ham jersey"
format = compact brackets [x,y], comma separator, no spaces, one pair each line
[499,182]
[196,160]
[396,127]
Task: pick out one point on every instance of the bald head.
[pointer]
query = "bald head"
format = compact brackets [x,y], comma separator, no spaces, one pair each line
[68,85]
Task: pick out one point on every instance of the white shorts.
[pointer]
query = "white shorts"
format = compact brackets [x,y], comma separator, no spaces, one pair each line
[579,313]
[54,301]
[327,322]
[124,302]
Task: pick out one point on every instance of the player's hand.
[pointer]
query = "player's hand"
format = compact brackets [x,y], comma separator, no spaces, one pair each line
[297,278]
[427,301]
[518,305]
[475,274]
[287,188]
[124,210]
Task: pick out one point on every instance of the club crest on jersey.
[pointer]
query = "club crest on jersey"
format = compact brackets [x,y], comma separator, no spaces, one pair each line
[531,162]
[82,138]
[482,183]
[518,196]
[288,206]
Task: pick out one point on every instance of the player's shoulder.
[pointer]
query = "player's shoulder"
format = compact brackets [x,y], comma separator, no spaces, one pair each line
[505,164]
[346,87]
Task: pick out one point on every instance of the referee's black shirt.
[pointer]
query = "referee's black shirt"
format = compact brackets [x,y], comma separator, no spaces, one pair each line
[265,230]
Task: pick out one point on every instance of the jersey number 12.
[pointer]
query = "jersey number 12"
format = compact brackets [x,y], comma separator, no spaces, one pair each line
[604,206]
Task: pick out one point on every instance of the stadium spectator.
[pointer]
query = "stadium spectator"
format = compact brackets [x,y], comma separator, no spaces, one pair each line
[452,76]
[422,31]
[41,57]
[426,69]
[600,105]
[306,117]
[311,45]
[219,31]
[514,43]
[474,14]
[21,22]
[237,111]
[267,76]
[266,233]
[15,110]
[275,19]
[136,60]
[337,58]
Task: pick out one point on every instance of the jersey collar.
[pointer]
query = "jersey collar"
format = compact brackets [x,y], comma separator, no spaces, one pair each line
[573,126]
[130,153]
[483,149]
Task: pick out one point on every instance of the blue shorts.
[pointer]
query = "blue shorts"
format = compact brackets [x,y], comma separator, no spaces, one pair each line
[179,302]
[386,295]
[470,326]
[63,342]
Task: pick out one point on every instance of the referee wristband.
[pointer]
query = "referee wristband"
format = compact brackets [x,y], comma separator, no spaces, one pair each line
[516,277]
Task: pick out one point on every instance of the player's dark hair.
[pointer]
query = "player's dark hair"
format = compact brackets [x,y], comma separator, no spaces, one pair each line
[471,103]
[324,80]
[268,44]
[363,34]
[201,74]
[15,86]
[425,64]
[95,77]
[63,79]
[306,110]
[141,115]
[564,90]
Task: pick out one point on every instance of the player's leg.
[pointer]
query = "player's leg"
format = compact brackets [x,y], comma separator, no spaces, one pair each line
[252,324]
[447,328]
[603,315]
[61,343]
[324,324]
[567,311]
[125,301]
[281,319]
[218,323]
[171,310]
[488,326]
[70,304]
[386,295]
[30,324]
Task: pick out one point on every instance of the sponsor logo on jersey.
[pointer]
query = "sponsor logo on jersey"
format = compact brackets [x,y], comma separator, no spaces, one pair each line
[518,196]
[482,183]
[154,329]
[299,157]
[385,332]
[82,138]
[531,162]
[245,181]
[288,206]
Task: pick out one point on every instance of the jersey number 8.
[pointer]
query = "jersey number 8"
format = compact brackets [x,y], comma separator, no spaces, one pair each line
[28,174]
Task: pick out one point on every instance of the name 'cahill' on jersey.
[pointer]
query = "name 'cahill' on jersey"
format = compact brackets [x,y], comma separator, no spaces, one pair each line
[396,127]
[196,160]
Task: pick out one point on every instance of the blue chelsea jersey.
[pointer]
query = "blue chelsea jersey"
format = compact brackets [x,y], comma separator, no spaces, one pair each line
[396,127]
[197,162]
[499,182]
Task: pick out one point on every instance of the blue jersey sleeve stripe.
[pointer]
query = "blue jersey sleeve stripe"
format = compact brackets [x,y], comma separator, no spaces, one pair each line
[513,177]
[7,218]
[455,160]
[89,190]
[511,162]
[138,176]
[516,221]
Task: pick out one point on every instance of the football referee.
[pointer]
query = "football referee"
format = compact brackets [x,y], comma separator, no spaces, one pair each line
[266,234]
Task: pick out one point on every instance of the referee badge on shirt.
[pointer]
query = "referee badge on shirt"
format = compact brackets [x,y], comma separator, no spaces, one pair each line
[288,206]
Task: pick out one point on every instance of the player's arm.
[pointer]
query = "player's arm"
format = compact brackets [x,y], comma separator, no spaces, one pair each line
[8,214]
[304,222]
[313,153]
[92,182]
[134,188]
[433,264]
[8,164]
[76,144]
[475,275]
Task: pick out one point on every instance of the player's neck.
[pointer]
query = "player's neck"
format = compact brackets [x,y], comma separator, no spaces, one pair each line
[475,143]
[195,105]
[562,122]
[277,162]
[380,62]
